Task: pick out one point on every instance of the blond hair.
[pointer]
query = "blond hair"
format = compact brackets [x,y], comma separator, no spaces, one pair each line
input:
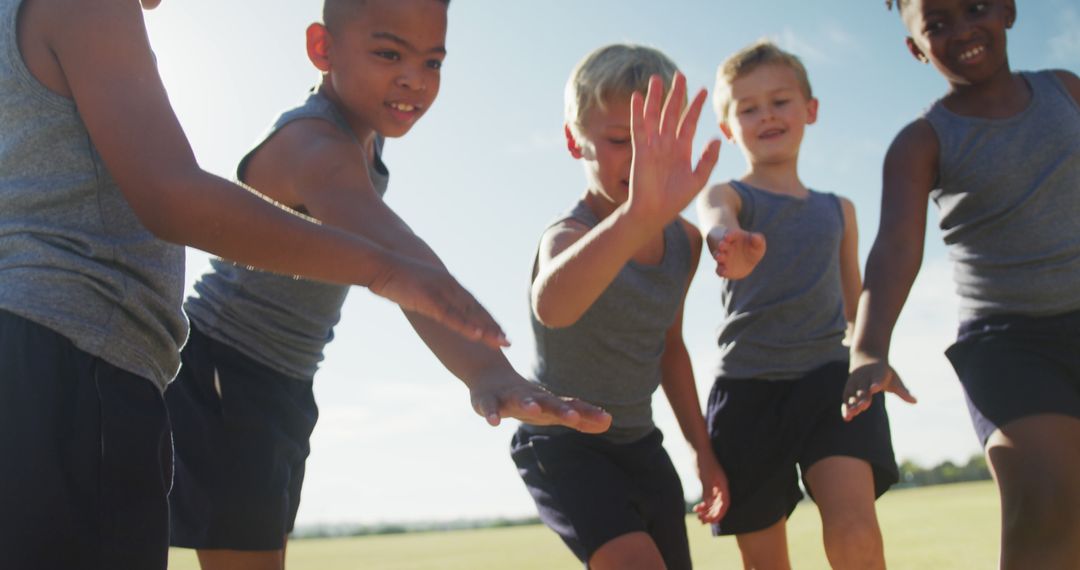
[742,62]
[610,73]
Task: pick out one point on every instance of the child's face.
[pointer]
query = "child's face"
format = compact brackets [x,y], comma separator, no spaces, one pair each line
[964,39]
[384,65]
[605,148]
[768,114]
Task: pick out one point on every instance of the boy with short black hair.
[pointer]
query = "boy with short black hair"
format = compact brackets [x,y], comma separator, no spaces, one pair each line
[782,361]
[243,406]
[999,154]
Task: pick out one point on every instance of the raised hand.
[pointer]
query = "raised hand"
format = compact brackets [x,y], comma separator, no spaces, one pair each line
[868,377]
[511,396]
[431,291]
[663,179]
[736,252]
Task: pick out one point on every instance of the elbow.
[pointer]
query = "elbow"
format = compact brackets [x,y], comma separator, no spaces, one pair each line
[550,314]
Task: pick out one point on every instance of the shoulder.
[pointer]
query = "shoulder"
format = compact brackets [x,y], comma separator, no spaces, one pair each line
[916,143]
[847,208]
[1071,81]
[727,194]
[560,235]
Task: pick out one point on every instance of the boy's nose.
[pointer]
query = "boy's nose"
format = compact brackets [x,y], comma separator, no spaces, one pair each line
[411,80]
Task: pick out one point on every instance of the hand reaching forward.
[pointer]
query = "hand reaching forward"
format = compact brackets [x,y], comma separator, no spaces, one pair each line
[511,396]
[736,252]
[663,180]
[431,291]
[868,377]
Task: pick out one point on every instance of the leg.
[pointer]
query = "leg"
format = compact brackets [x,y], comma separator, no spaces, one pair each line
[633,551]
[1036,463]
[765,549]
[241,559]
[843,488]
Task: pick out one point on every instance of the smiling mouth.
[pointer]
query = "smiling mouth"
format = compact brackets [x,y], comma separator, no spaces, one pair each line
[771,133]
[403,107]
[972,53]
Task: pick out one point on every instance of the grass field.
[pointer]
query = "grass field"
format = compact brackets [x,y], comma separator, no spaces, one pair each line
[942,527]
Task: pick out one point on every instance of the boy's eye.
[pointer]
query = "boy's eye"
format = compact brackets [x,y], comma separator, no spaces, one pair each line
[934,27]
[979,7]
[781,102]
[747,110]
[618,140]
[388,54]
[434,64]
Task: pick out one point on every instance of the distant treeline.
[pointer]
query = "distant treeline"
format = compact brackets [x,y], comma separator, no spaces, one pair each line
[914,475]
[911,475]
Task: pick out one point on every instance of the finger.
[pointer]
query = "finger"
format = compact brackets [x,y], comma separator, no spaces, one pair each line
[488,407]
[689,121]
[706,163]
[638,135]
[652,105]
[669,121]
[901,390]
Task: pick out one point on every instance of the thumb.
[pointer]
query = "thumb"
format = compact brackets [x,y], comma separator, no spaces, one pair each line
[487,406]
[901,390]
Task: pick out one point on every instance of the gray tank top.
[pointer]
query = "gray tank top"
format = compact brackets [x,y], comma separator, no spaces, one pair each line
[787,317]
[1008,191]
[611,355]
[73,255]
[281,321]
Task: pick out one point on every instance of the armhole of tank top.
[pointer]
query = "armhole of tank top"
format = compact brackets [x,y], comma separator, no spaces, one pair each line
[23,74]
[746,210]
[1056,84]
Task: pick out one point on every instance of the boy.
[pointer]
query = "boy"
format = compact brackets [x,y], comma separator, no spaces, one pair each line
[96,178]
[1000,155]
[607,297]
[782,361]
[242,407]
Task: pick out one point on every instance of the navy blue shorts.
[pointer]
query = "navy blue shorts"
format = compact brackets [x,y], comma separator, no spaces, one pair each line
[1014,366]
[761,430]
[86,458]
[240,451]
[590,491]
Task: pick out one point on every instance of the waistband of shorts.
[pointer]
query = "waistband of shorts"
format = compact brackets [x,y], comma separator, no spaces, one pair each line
[1059,323]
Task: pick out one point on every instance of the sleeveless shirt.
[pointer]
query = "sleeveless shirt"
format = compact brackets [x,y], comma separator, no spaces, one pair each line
[281,321]
[73,255]
[787,317]
[611,356]
[1008,194]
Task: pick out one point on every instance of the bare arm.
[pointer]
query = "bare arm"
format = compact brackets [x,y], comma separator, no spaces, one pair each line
[850,277]
[97,53]
[681,391]
[576,267]
[910,170]
[1072,83]
[735,251]
[312,164]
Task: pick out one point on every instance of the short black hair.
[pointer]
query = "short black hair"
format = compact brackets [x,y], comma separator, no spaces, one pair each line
[337,11]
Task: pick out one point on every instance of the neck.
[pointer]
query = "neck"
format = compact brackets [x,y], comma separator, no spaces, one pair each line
[599,204]
[1003,95]
[780,178]
[364,133]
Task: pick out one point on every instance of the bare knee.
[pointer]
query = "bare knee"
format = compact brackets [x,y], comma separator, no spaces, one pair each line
[853,542]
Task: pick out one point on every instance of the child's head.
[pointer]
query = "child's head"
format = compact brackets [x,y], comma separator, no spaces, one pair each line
[597,111]
[380,60]
[764,101]
[964,39]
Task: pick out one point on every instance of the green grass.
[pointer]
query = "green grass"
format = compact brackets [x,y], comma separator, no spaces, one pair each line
[941,527]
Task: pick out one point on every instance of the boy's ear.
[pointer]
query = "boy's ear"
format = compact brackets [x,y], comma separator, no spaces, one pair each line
[571,143]
[915,51]
[811,111]
[318,46]
[1010,13]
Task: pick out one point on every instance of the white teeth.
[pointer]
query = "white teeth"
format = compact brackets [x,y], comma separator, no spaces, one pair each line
[971,53]
[403,107]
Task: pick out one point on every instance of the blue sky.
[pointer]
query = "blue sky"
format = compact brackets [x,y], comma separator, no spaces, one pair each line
[485,171]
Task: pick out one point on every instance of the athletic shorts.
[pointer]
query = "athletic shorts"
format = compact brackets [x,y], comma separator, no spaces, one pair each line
[1013,366]
[590,491]
[761,430]
[241,433]
[85,458]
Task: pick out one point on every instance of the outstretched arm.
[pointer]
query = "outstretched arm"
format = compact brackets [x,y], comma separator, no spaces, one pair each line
[850,278]
[310,163]
[120,98]
[681,391]
[735,250]
[575,266]
[909,174]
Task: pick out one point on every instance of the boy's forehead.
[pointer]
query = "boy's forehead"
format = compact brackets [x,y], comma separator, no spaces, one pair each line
[766,77]
[396,16]
[609,112]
